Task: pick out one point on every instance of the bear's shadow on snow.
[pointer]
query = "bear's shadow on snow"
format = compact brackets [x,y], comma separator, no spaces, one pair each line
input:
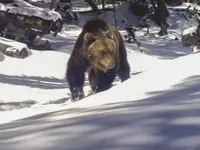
[42,82]
[167,120]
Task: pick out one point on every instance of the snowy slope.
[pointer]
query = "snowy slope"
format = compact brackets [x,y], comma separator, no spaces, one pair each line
[157,108]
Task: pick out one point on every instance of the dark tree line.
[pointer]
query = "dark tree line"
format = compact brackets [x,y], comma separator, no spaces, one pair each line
[160,15]
[160,12]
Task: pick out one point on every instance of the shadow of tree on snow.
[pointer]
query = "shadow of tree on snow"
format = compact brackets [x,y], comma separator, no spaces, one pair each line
[163,46]
[34,81]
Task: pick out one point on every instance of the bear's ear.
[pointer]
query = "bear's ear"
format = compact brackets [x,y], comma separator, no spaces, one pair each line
[110,34]
[89,55]
[88,37]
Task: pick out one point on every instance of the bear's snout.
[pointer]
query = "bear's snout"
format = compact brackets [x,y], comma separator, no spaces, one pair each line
[111,65]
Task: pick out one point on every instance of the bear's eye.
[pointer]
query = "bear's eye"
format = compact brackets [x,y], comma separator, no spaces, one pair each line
[90,55]
[90,41]
[103,53]
[109,36]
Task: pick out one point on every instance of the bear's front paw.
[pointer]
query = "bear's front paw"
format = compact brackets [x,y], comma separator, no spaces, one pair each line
[125,78]
[77,95]
[91,92]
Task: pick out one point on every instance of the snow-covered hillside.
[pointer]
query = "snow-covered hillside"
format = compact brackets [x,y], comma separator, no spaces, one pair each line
[157,108]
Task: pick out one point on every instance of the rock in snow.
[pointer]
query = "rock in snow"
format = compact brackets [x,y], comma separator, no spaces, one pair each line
[13,48]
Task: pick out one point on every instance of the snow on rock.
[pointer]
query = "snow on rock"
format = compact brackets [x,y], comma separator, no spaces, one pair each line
[13,43]
[13,48]
[2,7]
[22,7]
[186,5]
[190,30]
[196,49]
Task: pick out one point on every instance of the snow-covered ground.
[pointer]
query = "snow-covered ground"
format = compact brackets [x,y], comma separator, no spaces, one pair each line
[157,108]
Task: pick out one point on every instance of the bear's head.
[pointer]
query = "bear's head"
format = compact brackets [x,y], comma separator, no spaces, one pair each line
[101,49]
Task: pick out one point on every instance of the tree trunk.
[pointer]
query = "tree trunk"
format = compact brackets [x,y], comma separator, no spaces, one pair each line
[52,4]
[103,4]
[154,5]
[92,5]
[161,14]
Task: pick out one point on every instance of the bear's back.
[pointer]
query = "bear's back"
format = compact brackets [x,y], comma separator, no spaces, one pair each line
[93,25]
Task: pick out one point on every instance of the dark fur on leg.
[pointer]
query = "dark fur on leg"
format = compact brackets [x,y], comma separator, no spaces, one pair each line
[75,78]
[124,67]
[101,81]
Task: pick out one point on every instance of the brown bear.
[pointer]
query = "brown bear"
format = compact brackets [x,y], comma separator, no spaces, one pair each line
[99,51]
